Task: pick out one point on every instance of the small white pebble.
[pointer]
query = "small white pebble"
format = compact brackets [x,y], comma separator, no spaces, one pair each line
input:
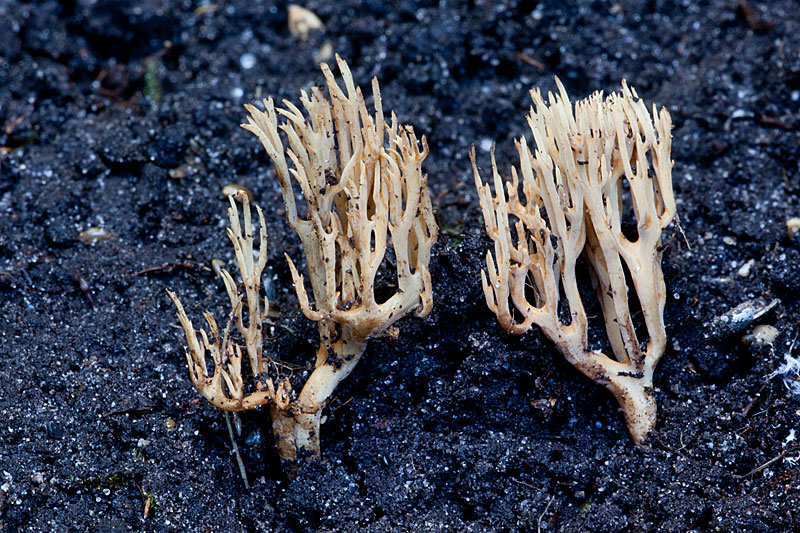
[793,226]
[247,61]
[745,269]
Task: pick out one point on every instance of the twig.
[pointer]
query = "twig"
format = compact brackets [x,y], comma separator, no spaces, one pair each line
[529,60]
[242,470]
[539,523]
[342,405]
[169,267]
[520,482]
[775,122]
[278,325]
[758,469]
[750,405]
[678,451]
[680,229]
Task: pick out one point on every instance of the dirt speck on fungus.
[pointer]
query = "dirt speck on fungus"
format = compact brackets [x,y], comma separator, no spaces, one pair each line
[123,117]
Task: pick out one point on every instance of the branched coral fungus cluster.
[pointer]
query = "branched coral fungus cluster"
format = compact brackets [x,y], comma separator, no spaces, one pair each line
[364,191]
[588,166]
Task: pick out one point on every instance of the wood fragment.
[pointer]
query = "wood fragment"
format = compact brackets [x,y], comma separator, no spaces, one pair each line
[753,19]
[775,122]
[529,60]
[169,267]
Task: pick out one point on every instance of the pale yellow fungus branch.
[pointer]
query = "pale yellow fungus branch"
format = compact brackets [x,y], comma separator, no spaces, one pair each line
[224,387]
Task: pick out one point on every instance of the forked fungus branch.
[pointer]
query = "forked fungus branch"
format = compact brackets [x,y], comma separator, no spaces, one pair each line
[364,192]
[224,387]
[591,165]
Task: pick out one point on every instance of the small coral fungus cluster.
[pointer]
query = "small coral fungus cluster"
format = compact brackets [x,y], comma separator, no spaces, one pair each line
[365,192]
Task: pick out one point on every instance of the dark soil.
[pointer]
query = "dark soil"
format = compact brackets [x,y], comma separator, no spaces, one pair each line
[124,116]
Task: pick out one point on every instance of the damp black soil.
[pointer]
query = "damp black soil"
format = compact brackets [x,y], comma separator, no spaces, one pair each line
[124,116]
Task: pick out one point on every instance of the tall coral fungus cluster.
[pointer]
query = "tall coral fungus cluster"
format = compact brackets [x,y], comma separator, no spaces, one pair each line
[606,157]
[364,192]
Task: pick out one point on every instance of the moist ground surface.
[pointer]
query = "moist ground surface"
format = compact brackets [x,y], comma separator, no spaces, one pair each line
[124,116]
